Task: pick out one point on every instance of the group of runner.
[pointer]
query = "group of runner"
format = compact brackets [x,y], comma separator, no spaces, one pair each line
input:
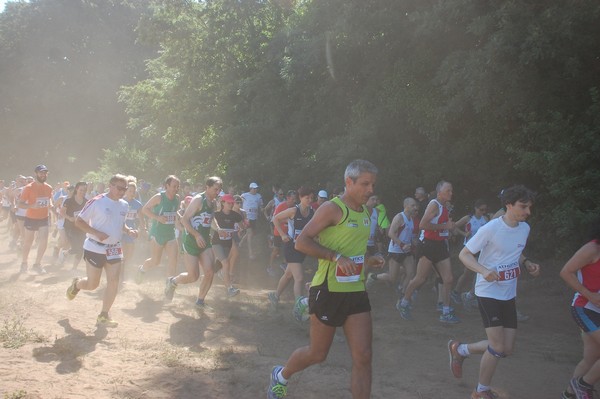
[344,234]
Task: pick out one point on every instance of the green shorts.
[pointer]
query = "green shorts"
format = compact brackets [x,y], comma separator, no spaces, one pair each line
[191,248]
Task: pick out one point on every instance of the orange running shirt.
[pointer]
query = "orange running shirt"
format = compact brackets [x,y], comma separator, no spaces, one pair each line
[40,194]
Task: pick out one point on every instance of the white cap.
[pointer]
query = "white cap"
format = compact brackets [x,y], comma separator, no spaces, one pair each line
[323,194]
[253,185]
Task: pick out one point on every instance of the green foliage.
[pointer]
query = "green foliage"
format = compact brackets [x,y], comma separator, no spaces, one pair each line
[484,94]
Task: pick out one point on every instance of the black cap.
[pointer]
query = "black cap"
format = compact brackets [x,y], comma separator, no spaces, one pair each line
[41,168]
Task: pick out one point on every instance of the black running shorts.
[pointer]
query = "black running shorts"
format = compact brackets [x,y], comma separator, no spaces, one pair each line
[98,260]
[435,251]
[497,313]
[333,308]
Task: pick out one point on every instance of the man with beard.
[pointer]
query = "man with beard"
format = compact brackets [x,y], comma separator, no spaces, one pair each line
[36,199]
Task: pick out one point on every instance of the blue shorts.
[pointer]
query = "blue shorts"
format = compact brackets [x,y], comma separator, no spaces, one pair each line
[586,319]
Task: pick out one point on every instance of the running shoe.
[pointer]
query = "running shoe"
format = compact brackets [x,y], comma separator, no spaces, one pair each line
[456,360]
[274,300]
[23,268]
[139,275]
[170,287]
[232,291]
[370,281]
[413,297]
[276,390]
[72,291]
[271,272]
[61,256]
[39,269]
[440,307]
[449,318]
[455,296]
[467,297]
[483,395]
[201,306]
[106,321]
[405,312]
[581,391]
[521,316]
[567,395]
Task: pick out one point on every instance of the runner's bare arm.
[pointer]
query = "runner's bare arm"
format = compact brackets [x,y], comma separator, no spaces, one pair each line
[468,259]
[586,255]
[328,214]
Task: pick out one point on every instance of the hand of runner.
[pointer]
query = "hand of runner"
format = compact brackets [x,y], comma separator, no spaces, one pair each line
[161,219]
[594,298]
[132,233]
[377,261]
[533,268]
[285,238]
[347,266]
[200,241]
[491,276]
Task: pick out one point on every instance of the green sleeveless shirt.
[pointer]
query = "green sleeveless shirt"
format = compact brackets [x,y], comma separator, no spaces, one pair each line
[349,238]
[164,232]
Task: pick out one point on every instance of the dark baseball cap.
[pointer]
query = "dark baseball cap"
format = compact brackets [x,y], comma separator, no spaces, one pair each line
[41,168]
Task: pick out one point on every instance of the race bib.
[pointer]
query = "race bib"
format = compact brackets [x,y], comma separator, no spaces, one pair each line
[341,277]
[131,215]
[42,202]
[252,213]
[114,251]
[170,217]
[509,272]
[444,233]
[297,233]
[225,234]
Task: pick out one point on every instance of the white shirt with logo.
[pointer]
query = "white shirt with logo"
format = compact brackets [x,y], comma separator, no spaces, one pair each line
[105,215]
[501,247]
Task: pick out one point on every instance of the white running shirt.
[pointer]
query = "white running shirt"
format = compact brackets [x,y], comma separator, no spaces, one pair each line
[105,215]
[501,247]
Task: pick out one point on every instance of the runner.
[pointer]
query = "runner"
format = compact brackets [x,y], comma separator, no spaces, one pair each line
[582,273]
[161,209]
[134,221]
[289,202]
[434,253]
[321,198]
[252,205]
[70,210]
[337,295]
[239,228]
[197,221]
[500,243]
[62,247]
[103,221]
[224,222]
[467,226]
[296,217]
[36,198]
[401,233]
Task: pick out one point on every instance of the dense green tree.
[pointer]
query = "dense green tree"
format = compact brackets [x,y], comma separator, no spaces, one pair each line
[61,64]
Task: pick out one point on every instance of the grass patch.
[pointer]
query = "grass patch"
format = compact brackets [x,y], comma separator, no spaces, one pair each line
[20,394]
[14,334]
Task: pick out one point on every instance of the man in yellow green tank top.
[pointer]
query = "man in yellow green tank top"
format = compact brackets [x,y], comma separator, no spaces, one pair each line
[161,210]
[337,235]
